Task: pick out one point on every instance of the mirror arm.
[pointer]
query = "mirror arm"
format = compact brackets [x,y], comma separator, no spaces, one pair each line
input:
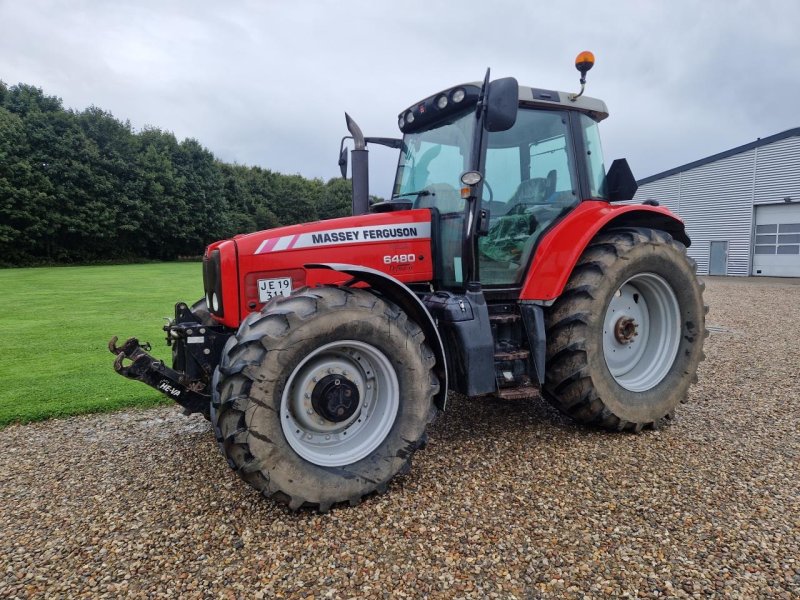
[395,143]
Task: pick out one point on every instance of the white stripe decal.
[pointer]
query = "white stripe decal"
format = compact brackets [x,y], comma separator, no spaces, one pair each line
[349,235]
[283,243]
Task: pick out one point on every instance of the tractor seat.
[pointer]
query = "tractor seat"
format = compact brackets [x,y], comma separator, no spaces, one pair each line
[536,190]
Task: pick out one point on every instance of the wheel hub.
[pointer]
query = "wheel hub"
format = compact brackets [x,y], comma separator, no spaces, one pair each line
[625,329]
[339,403]
[335,398]
[641,332]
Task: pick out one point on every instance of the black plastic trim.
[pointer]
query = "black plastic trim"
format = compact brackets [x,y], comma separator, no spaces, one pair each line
[533,318]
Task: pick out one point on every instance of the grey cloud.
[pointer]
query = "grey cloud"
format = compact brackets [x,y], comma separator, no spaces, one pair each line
[268,82]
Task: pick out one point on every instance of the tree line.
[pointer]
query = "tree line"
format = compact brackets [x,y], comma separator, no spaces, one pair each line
[83,186]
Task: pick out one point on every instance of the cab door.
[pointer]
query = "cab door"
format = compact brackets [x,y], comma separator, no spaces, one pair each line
[530,181]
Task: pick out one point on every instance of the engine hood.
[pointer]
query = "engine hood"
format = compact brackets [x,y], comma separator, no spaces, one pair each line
[275,261]
[397,226]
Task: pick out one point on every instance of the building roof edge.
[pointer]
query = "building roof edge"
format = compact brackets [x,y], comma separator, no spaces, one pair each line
[719,156]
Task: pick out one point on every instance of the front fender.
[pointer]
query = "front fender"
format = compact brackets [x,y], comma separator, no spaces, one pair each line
[559,250]
[400,294]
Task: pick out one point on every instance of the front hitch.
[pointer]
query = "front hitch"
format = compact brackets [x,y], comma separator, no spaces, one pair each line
[147,369]
[197,344]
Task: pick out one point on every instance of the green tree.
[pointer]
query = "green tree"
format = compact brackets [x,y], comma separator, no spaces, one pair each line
[84,186]
[336,200]
[116,180]
[298,198]
[202,188]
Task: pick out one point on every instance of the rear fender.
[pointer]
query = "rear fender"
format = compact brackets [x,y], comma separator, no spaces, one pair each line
[560,249]
[400,294]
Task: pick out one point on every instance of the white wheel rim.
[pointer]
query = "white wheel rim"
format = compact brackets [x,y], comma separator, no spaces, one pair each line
[328,443]
[641,332]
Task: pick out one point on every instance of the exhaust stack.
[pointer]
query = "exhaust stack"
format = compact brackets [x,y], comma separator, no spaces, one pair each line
[360,156]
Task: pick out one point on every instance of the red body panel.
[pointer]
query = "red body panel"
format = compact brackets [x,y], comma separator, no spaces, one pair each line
[397,243]
[560,249]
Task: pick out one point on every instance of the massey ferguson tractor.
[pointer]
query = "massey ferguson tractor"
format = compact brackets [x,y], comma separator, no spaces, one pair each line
[500,266]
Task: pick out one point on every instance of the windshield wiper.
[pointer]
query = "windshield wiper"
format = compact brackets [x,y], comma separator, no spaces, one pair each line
[418,193]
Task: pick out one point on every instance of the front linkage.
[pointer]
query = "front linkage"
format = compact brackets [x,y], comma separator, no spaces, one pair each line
[196,350]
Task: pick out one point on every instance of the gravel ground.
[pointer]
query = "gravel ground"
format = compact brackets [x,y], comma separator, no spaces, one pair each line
[509,500]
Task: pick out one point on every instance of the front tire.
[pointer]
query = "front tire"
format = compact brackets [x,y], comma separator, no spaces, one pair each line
[625,338]
[324,396]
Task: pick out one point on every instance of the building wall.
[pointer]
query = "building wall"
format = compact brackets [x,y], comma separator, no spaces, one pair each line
[716,199]
[716,202]
[778,171]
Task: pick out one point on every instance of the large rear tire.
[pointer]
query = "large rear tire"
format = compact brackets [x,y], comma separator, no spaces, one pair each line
[625,338]
[323,397]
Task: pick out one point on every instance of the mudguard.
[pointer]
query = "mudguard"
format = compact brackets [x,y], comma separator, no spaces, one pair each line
[560,248]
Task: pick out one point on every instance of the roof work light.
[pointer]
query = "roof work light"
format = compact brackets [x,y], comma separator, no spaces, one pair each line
[583,62]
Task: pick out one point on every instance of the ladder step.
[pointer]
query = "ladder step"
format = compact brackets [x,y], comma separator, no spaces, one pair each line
[516,355]
[517,393]
[504,318]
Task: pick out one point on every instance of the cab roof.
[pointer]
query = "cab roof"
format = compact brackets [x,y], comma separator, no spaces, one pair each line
[596,108]
[449,102]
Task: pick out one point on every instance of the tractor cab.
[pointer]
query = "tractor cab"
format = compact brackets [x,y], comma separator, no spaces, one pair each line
[529,174]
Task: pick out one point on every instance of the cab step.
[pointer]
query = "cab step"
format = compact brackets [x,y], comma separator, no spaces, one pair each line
[518,393]
[504,318]
[521,354]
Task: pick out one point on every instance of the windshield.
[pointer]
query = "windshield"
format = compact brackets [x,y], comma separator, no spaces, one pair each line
[431,163]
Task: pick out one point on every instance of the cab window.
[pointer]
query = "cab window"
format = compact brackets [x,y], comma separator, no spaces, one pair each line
[529,183]
[594,157]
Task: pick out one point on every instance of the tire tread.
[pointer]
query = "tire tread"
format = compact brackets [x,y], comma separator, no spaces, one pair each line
[237,374]
[568,385]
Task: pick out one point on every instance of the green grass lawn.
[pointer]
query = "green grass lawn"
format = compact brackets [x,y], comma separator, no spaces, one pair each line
[55,328]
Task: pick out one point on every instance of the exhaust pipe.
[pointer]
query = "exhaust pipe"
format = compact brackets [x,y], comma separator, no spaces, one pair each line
[360,157]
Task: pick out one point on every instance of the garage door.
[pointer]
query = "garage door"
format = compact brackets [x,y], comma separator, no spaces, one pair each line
[777,243]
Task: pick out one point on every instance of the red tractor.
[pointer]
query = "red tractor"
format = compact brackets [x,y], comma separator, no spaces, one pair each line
[499,266]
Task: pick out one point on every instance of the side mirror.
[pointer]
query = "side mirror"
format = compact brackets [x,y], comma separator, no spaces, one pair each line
[501,113]
[343,162]
[620,182]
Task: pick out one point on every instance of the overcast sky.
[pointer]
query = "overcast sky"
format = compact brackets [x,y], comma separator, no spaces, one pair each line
[267,83]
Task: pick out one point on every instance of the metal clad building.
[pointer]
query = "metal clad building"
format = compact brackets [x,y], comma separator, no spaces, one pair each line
[741,207]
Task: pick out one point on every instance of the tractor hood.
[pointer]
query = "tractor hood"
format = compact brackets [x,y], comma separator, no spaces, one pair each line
[273,262]
[398,226]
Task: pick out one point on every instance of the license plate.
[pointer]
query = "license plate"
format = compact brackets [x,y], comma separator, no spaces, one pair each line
[269,288]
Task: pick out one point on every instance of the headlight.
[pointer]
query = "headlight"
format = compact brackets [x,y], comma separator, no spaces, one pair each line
[212,282]
[471,178]
[441,101]
[458,95]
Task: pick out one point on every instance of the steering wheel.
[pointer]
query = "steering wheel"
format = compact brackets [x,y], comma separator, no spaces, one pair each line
[487,187]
